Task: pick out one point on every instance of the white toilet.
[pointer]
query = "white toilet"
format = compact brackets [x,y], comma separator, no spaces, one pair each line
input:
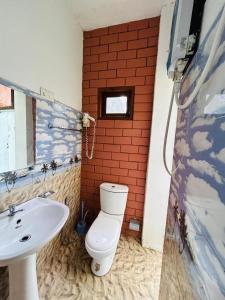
[103,236]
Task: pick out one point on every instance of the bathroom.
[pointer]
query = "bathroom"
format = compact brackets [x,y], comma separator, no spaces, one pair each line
[112,149]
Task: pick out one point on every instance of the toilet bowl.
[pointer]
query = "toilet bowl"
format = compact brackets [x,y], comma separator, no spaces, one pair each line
[103,236]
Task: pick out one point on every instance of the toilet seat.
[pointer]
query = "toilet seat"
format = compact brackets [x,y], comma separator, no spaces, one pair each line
[104,233]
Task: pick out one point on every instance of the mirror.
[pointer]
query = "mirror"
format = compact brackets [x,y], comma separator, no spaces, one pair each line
[17,126]
[37,136]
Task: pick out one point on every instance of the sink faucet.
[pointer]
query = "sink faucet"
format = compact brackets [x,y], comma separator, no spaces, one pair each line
[46,194]
[12,210]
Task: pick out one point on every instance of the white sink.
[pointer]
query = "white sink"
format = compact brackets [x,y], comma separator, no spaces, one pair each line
[22,235]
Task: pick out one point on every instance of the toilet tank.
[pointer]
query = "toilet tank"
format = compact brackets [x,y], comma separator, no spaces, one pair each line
[113,198]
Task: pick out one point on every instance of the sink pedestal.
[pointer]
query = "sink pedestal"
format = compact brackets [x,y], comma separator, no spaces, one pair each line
[23,279]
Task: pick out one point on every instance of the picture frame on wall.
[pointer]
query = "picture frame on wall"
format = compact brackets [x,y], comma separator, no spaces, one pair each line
[6,98]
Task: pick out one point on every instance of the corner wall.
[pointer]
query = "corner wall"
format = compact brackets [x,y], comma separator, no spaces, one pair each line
[121,55]
[41,46]
[157,180]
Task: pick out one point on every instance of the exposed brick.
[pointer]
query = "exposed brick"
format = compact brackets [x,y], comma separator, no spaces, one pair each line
[110,163]
[99,49]
[138,157]
[140,182]
[149,80]
[139,213]
[137,174]
[110,178]
[89,92]
[143,98]
[120,156]
[118,171]
[128,165]
[151,61]
[117,64]
[131,81]
[115,82]
[142,116]
[86,51]
[86,68]
[147,52]
[154,22]
[107,56]
[136,189]
[95,162]
[99,66]
[142,166]
[130,149]
[118,28]
[90,42]
[86,100]
[128,36]
[87,34]
[128,54]
[138,44]
[108,39]
[103,155]
[93,99]
[102,170]
[153,42]
[98,83]
[143,149]
[106,123]
[149,32]
[140,141]
[136,63]
[99,31]
[118,46]
[130,211]
[90,107]
[122,140]
[128,180]
[109,53]
[145,71]
[143,89]
[89,59]
[86,84]
[107,74]
[90,75]
[145,133]
[125,72]
[104,139]
[114,132]
[146,106]
[141,124]
[123,124]
[88,168]
[138,24]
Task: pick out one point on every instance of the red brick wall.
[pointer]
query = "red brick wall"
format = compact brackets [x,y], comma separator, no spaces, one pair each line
[121,55]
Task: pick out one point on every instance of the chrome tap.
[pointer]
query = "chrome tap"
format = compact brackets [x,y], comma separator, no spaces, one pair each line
[46,194]
[12,210]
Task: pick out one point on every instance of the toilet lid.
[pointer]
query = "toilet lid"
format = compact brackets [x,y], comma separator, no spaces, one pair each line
[104,232]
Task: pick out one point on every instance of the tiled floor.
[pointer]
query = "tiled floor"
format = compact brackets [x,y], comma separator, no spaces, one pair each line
[135,274]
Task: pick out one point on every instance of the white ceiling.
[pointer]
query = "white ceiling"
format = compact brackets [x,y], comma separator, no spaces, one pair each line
[92,14]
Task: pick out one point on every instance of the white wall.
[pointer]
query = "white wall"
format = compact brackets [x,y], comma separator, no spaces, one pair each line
[41,45]
[157,180]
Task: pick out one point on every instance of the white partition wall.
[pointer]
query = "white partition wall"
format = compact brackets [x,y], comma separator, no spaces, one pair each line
[157,180]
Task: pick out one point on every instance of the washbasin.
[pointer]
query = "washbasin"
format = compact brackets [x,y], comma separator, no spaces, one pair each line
[22,235]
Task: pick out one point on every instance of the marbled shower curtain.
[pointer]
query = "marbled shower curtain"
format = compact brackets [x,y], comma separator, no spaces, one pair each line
[198,186]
